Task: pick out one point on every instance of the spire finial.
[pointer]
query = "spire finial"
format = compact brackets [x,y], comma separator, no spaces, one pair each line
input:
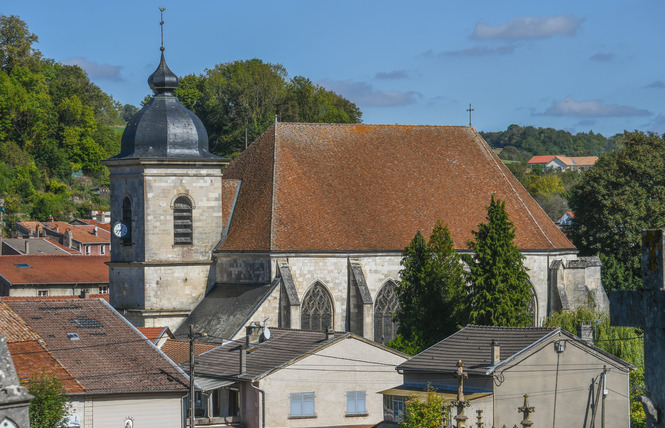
[161,24]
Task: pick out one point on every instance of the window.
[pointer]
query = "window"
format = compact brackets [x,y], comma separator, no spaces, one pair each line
[103,290]
[42,293]
[302,405]
[182,221]
[87,250]
[102,249]
[398,408]
[355,403]
[127,220]
[387,303]
[316,312]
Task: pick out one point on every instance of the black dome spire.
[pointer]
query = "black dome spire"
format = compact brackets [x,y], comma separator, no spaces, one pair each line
[164,128]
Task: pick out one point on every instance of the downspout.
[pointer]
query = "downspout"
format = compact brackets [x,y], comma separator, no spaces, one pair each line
[263,404]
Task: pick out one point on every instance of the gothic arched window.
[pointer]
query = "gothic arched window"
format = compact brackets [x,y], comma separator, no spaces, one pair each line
[127,220]
[182,221]
[316,311]
[387,303]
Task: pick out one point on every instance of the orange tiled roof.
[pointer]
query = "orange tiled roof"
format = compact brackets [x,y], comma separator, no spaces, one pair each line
[585,160]
[30,358]
[105,226]
[55,269]
[331,187]
[544,158]
[178,350]
[153,333]
[80,233]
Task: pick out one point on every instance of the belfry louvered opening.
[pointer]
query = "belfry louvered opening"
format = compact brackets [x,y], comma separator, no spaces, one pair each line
[182,221]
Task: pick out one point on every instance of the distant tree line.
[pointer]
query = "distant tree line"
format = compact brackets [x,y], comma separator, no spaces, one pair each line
[520,143]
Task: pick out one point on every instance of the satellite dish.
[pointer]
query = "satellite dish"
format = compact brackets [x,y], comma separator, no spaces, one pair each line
[266,333]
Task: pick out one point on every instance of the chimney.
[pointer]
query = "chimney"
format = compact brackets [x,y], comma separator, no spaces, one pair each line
[253,334]
[496,352]
[243,359]
[94,231]
[330,333]
[585,332]
[27,247]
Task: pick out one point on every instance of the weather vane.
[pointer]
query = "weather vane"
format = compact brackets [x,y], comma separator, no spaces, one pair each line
[161,24]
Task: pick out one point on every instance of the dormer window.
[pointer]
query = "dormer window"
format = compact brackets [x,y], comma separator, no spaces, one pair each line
[182,221]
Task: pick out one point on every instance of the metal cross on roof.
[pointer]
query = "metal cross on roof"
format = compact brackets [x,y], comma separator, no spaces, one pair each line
[469,110]
[161,24]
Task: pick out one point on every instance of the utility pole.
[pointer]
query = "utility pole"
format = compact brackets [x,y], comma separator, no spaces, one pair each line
[192,337]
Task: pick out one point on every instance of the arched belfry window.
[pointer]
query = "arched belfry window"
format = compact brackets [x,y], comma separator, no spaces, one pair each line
[182,221]
[387,303]
[127,220]
[316,310]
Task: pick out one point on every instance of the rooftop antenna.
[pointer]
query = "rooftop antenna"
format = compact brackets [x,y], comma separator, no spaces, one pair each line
[161,24]
[469,110]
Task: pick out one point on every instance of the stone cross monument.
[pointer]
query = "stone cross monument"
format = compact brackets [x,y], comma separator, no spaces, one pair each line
[460,403]
[645,309]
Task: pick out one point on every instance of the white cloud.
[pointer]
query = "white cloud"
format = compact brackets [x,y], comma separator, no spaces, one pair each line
[363,93]
[529,28]
[397,74]
[95,70]
[592,108]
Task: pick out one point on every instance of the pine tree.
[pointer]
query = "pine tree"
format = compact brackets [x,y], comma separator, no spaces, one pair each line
[430,290]
[500,291]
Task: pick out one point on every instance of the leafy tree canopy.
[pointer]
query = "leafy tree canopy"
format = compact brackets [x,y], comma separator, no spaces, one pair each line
[428,413]
[500,291]
[50,406]
[615,200]
[431,291]
[241,97]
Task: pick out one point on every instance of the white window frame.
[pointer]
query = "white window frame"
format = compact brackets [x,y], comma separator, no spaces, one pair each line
[102,249]
[103,289]
[356,403]
[302,405]
[42,293]
[398,408]
[87,250]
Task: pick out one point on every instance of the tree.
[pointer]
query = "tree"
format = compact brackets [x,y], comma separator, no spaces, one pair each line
[615,200]
[500,292]
[50,406]
[16,44]
[425,414]
[430,290]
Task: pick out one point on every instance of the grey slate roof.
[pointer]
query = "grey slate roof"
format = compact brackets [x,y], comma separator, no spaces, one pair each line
[224,310]
[472,345]
[284,345]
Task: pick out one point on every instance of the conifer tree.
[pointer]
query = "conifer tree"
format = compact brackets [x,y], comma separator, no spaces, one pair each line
[430,289]
[500,291]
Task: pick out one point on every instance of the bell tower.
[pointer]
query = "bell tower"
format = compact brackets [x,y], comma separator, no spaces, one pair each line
[166,210]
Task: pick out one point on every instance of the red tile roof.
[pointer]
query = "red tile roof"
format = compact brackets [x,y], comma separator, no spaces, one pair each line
[105,226]
[154,333]
[330,187]
[544,158]
[178,350]
[55,269]
[107,355]
[31,358]
[585,160]
[80,233]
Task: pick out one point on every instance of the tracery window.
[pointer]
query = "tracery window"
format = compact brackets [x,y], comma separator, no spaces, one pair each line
[182,221]
[387,303]
[127,220]
[316,310]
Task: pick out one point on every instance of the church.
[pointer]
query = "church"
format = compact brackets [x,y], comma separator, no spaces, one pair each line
[306,228]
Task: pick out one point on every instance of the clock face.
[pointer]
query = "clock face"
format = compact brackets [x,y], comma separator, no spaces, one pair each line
[120,230]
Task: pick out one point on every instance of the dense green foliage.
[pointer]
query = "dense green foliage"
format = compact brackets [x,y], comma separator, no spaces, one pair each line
[50,405]
[246,96]
[430,413]
[500,292]
[53,122]
[626,343]
[615,200]
[520,143]
[430,291]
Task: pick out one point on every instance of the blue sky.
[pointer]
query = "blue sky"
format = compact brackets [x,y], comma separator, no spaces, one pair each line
[578,66]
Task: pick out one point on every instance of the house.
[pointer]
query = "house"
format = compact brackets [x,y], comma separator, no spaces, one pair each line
[14,397]
[34,246]
[562,162]
[112,374]
[294,378]
[567,379]
[310,219]
[53,275]
[87,239]
[566,219]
